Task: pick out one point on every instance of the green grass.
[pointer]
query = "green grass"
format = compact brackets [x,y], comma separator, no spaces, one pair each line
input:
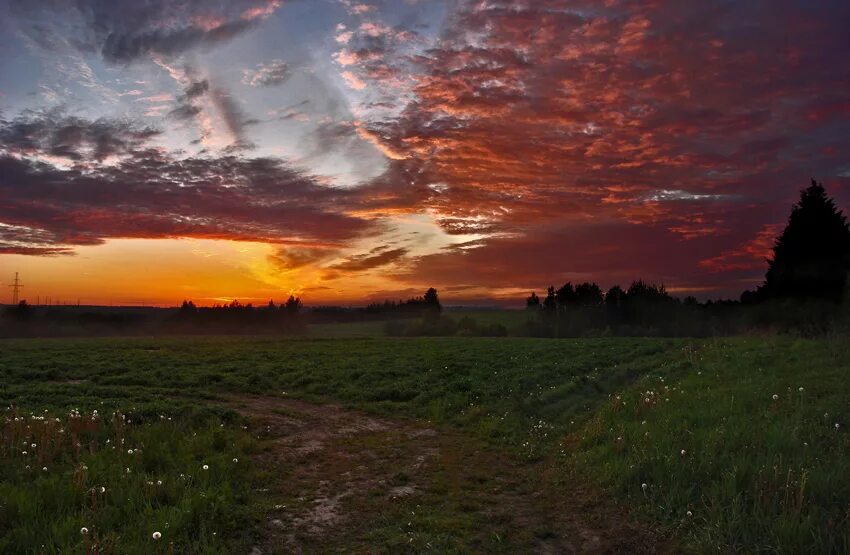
[498,388]
[510,319]
[757,474]
[750,439]
[91,482]
[347,329]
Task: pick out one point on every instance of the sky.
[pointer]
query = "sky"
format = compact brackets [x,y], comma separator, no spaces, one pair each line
[347,151]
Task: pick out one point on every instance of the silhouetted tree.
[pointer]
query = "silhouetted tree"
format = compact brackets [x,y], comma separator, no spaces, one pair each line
[292,305]
[615,296]
[642,291]
[690,300]
[588,294]
[532,302]
[615,300]
[811,258]
[550,304]
[749,297]
[566,295]
[432,300]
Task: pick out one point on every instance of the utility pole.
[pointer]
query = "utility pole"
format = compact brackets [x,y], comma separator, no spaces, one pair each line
[16,289]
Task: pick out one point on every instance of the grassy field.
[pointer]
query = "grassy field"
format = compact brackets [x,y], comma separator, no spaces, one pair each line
[512,320]
[721,444]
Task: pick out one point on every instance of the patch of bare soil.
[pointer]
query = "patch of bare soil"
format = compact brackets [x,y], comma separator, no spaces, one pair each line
[337,471]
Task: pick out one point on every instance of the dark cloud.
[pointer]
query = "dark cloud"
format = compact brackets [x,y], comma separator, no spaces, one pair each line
[295,257]
[197,88]
[184,111]
[150,193]
[30,242]
[35,251]
[186,108]
[374,259]
[125,31]
[122,48]
[234,118]
[54,133]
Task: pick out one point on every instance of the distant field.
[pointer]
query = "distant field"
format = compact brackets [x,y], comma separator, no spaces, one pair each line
[695,421]
[508,318]
[347,329]
[511,319]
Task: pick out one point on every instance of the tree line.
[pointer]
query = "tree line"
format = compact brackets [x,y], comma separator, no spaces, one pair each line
[804,289]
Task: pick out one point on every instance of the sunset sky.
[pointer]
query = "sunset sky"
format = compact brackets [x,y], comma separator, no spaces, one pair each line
[345,150]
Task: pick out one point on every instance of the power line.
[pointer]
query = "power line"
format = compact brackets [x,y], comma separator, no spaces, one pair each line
[16,289]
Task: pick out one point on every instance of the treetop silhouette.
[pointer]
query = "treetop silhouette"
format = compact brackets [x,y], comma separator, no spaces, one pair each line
[811,258]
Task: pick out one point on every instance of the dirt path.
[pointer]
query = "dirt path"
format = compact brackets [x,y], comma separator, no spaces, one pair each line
[349,482]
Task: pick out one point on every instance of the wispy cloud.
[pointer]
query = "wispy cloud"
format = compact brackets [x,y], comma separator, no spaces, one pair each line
[273,73]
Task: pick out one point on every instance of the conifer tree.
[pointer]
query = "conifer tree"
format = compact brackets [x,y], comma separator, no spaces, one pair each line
[811,258]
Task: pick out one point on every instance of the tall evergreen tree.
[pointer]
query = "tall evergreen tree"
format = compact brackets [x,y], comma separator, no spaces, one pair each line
[811,258]
[432,300]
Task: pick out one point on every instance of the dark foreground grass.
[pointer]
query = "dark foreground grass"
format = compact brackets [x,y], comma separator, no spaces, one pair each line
[117,483]
[756,473]
[747,449]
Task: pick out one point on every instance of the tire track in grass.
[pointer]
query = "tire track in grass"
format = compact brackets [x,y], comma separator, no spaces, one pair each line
[344,481]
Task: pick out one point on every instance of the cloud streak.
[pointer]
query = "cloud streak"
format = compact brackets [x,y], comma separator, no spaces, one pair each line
[150,193]
[547,139]
[124,32]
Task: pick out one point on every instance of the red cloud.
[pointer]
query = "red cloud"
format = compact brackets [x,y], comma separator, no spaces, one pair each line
[679,116]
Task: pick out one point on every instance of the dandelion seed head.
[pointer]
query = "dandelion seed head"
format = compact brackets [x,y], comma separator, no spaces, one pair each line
[84,530]
[156,535]
[775,396]
[206,467]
